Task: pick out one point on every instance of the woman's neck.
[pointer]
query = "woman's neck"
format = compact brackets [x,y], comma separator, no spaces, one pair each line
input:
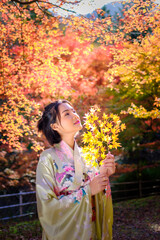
[69,140]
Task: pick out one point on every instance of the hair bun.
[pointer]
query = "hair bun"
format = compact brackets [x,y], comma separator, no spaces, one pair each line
[40,124]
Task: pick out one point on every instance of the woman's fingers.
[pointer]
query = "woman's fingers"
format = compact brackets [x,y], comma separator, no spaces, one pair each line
[108,163]
[109,154]
[98,183]
[102,178]
[108,159]
[108,168]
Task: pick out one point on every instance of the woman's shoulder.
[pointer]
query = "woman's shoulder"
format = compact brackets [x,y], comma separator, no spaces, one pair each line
[48,155]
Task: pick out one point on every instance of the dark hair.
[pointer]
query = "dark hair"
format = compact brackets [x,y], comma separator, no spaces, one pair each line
[50,114]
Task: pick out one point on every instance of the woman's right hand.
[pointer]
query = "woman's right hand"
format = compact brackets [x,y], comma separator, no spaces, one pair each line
[98,183]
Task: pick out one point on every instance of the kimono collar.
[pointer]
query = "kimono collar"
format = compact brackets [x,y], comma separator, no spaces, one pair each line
[64,148]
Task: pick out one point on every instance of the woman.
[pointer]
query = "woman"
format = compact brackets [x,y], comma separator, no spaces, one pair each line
[71,200]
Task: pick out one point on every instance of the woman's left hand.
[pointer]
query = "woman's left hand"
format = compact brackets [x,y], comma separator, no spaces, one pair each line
[108,165]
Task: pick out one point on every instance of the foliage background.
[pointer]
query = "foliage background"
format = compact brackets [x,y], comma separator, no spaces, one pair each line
[111,61]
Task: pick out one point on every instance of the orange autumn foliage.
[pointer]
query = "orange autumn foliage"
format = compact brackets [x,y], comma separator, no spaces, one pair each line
[44,58]
[41,65]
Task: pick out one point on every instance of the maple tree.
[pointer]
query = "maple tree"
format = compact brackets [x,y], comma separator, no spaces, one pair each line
[134,72]
[34,71]
[40,62]
[46,57]
[138,91]
[41,71]
[30,72]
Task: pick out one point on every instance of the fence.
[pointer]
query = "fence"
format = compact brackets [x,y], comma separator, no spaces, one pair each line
[17,205]
[136,189]
[23,204]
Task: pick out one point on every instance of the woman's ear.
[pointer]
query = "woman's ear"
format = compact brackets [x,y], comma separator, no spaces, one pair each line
[54,126]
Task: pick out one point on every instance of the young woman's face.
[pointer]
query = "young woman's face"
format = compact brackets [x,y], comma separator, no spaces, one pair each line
[69,120]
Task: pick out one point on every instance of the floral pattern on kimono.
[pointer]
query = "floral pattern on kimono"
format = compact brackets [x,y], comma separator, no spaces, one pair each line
[63,193]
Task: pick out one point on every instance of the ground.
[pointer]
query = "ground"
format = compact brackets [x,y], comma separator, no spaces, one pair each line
[137,219]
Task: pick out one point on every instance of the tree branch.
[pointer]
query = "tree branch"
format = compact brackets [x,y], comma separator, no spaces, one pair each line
[33,1]
[43,10]
[40,1]
[17,7]
[62,8]
[24,3]
[69,2]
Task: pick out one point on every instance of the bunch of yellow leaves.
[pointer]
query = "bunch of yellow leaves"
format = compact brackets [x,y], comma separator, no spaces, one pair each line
[101,134]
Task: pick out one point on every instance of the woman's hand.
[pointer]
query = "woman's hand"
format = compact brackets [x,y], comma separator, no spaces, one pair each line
[108,165]
[107,168]
[98,183]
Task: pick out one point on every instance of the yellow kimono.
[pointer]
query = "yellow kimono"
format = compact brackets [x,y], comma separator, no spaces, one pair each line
[66,209]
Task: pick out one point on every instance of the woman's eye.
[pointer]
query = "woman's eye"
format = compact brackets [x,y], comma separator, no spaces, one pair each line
[66,114]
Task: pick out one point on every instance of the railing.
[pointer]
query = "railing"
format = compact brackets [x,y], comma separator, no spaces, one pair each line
[23,204]
[136,189]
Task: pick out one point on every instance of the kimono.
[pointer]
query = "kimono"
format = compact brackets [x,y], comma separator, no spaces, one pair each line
[66,209]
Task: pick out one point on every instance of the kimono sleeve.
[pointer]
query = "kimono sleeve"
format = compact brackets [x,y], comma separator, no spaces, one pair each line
[63,216]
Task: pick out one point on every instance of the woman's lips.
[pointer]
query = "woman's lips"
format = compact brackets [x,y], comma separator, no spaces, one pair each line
[77,122]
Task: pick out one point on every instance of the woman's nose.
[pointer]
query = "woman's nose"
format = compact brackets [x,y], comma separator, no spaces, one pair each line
[75,116]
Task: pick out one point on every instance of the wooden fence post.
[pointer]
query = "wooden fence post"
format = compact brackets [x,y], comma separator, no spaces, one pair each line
[20,202]
[140,186]
[139,178]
